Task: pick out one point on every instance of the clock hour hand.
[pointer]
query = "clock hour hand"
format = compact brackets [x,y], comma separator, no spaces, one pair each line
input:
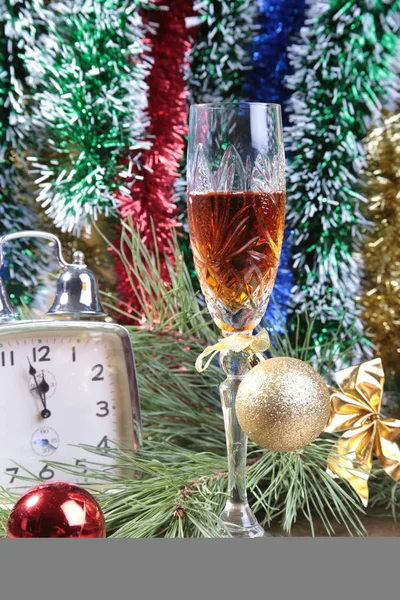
[44,389]
[45,413]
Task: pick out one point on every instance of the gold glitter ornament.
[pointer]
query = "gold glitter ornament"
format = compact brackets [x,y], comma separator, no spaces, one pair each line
[283,404]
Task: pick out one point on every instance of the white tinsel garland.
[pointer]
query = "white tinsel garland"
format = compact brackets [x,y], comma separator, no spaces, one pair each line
[341,75]
[220,54]
[89,120]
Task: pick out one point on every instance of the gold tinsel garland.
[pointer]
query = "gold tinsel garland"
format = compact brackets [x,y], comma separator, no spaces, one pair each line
[381,291]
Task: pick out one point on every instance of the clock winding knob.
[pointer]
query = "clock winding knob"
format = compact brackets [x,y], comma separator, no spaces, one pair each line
[78,258]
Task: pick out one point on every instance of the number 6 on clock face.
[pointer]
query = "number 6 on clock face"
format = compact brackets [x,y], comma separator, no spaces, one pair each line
[64,384]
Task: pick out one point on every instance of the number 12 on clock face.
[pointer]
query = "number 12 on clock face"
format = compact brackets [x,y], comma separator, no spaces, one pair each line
[64,384]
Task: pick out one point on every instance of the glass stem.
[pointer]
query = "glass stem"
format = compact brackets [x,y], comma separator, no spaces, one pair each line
[236,439]
[237,515]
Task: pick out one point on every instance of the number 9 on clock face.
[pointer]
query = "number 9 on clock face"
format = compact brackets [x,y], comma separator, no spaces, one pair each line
[63,384]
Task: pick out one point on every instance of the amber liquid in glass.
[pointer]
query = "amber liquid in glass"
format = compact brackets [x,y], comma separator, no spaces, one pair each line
[236,239]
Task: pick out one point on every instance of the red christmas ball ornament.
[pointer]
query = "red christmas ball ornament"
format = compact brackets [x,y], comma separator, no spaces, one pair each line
[56,510]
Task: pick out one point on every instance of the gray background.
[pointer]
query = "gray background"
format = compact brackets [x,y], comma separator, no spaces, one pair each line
[271,568]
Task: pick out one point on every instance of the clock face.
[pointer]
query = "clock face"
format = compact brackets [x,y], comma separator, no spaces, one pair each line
[62,385]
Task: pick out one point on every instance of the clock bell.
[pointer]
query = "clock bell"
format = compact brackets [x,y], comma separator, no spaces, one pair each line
[77,293]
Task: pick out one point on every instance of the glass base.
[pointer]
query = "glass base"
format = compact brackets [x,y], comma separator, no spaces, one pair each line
[240,521]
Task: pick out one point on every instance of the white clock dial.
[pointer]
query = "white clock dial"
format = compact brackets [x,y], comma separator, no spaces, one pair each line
[60,388]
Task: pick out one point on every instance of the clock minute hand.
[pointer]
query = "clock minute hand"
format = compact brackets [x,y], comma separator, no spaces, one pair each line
[32,373]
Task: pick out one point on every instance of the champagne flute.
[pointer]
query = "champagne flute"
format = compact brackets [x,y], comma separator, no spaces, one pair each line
[236,211]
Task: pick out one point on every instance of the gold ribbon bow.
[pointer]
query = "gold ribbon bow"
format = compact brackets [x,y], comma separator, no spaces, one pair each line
[237,342]
[355,409]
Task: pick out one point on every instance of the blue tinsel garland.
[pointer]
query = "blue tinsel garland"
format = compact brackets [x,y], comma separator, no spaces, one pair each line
[279,21]
[4,272]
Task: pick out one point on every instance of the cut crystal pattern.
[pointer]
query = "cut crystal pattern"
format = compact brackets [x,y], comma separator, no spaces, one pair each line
[231,175]
[263,174]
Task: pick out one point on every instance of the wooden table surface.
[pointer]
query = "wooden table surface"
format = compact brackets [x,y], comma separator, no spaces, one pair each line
[375,525]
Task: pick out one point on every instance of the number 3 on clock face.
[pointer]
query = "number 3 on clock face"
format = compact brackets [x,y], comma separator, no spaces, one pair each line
[64,384]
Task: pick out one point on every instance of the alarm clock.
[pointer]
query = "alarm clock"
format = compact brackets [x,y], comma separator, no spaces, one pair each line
[64,382]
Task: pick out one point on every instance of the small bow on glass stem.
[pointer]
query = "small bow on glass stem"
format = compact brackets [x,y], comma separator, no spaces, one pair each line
[237,342]
[355,409]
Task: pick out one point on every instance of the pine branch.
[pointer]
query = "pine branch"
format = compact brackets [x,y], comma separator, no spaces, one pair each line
[299,339]
[173,488]
[162,307]
[177,403]
[169,491]
[286,484]
[177,494]
[190,414]
[166,491]
[7,501]
[384,492]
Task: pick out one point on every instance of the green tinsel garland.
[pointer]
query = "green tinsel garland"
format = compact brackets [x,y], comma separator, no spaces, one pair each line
[342,73]
[25,261]
[88,71]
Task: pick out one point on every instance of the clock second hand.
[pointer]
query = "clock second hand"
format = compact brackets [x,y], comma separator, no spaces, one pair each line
[45,413]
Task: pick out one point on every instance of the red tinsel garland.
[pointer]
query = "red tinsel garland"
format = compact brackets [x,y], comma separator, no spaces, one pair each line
[151,198]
